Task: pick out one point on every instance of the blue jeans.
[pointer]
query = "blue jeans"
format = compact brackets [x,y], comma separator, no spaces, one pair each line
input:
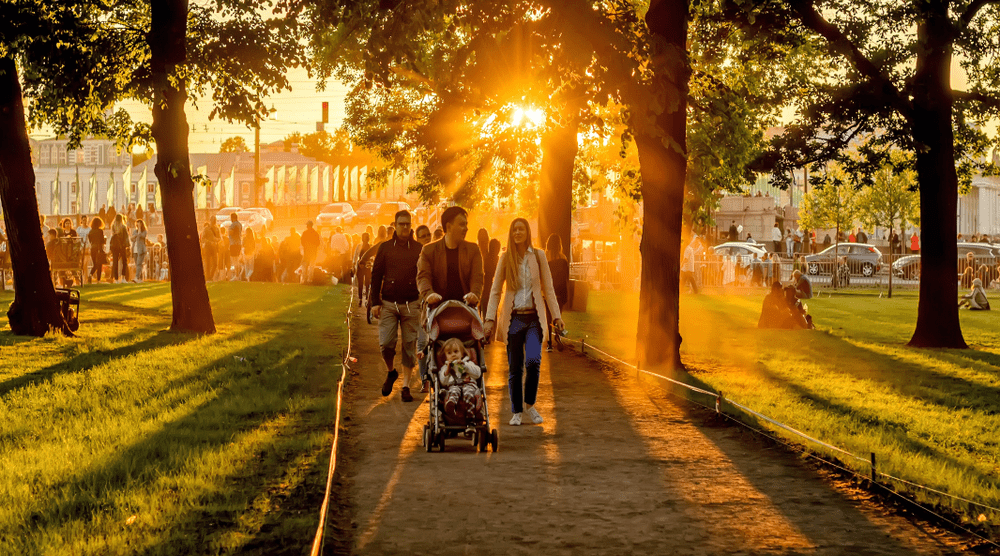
[524,354]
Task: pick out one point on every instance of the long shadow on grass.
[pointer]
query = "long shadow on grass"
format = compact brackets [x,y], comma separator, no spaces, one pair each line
[250,394]
[892,429]
[85,361]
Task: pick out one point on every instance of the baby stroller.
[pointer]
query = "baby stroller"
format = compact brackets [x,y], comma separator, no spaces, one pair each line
[454,319]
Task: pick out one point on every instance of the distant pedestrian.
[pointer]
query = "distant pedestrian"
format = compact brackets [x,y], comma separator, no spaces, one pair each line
[138,240]
[209,249]
[734,234]
[559,269]
[776,237]
[914,244]
[235,238]
[97,255]
[119,249]
[310,250]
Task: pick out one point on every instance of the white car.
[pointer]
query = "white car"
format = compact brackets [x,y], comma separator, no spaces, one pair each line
[745,251]
[224,215]
[335,214]
[264,213]
[249,219]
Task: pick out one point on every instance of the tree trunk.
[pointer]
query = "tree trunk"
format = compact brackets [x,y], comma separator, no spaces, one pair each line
[35,310]
[663,163]
[555,196]
[937,312]
[167,40]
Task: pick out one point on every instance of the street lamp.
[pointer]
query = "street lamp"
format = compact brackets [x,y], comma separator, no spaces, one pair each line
[257,180]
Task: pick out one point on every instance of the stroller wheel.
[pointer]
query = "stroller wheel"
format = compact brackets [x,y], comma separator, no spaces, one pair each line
[484,441]
[494,440]
[475,438]
[441,436]
[427,438]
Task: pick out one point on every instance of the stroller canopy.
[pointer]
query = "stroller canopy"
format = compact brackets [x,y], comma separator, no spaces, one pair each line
[454,319]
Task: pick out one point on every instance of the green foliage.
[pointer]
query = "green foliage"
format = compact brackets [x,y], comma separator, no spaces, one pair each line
[80,58]
[234,144]
[128,438]
[831,203]
[866,76]
[891,201]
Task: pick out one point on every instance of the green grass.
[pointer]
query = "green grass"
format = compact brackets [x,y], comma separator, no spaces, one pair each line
[130,439]
[930,415]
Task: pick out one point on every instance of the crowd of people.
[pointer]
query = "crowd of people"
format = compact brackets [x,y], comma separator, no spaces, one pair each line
[112,246]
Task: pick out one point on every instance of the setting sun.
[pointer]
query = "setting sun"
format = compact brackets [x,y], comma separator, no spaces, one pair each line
[530,118]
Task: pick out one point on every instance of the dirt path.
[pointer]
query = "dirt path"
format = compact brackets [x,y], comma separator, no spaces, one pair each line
[617,467]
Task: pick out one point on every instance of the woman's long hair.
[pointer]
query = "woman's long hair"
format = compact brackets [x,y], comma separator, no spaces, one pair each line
[553,248]
[118,226]
[512,264]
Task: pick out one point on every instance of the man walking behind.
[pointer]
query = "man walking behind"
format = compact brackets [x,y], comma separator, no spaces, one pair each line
[310,249]
[395,301]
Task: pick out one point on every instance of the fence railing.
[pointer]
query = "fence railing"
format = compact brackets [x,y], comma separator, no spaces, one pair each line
[622,275]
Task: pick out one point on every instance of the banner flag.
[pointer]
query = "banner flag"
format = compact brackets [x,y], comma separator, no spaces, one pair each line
[56,194]
[314,184]
[269,186]
[92,194]
[228,195]
[279,186]
[291,189]
[79,192]
[202,187]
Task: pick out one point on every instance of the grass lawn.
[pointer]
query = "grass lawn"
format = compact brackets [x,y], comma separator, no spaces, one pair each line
[130,439]
[931,416]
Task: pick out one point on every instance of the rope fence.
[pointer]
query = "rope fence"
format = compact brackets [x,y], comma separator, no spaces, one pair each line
[589,349]
[319,540]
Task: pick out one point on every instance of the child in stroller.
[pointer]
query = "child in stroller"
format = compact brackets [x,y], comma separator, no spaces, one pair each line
[457,370]
[462,398]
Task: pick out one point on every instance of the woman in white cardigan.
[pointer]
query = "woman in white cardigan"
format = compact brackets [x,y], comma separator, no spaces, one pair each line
[521,316]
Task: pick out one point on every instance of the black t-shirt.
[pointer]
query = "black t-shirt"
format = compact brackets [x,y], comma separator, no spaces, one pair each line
[455,290]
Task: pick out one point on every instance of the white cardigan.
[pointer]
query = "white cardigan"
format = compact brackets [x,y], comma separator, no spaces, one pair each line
[540,277]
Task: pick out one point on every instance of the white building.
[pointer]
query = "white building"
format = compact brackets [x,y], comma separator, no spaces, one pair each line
[979,210]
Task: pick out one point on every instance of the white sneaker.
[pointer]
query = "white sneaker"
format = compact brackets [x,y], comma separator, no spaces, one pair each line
[533,413]
[516,419]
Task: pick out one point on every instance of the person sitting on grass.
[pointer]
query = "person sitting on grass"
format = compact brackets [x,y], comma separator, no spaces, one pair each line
[463,400]
[802,285]
[774,311]
[976,299]
[798,313]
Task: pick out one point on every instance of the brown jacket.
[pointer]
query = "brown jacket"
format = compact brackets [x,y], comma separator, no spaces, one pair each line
[432,268]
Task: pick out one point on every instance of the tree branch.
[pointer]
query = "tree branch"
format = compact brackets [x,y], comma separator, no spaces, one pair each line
[840,44]
[984,99]
[970,12]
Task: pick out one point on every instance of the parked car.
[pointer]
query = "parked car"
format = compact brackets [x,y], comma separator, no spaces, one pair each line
[983,252]
[265,213]
[387,212]
[862,258]
[366,214]
[335,214]
[745,251]
[223,215]
[907,267]
[249,219]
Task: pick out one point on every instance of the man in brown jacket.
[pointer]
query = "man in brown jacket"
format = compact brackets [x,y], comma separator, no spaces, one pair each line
[451,268]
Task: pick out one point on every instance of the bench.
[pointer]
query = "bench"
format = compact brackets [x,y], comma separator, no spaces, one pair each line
[66,256]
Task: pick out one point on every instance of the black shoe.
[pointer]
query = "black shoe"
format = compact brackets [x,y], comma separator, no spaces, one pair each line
[390,378]
[405,395]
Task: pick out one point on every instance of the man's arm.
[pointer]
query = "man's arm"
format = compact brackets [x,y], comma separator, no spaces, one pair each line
[378,273]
